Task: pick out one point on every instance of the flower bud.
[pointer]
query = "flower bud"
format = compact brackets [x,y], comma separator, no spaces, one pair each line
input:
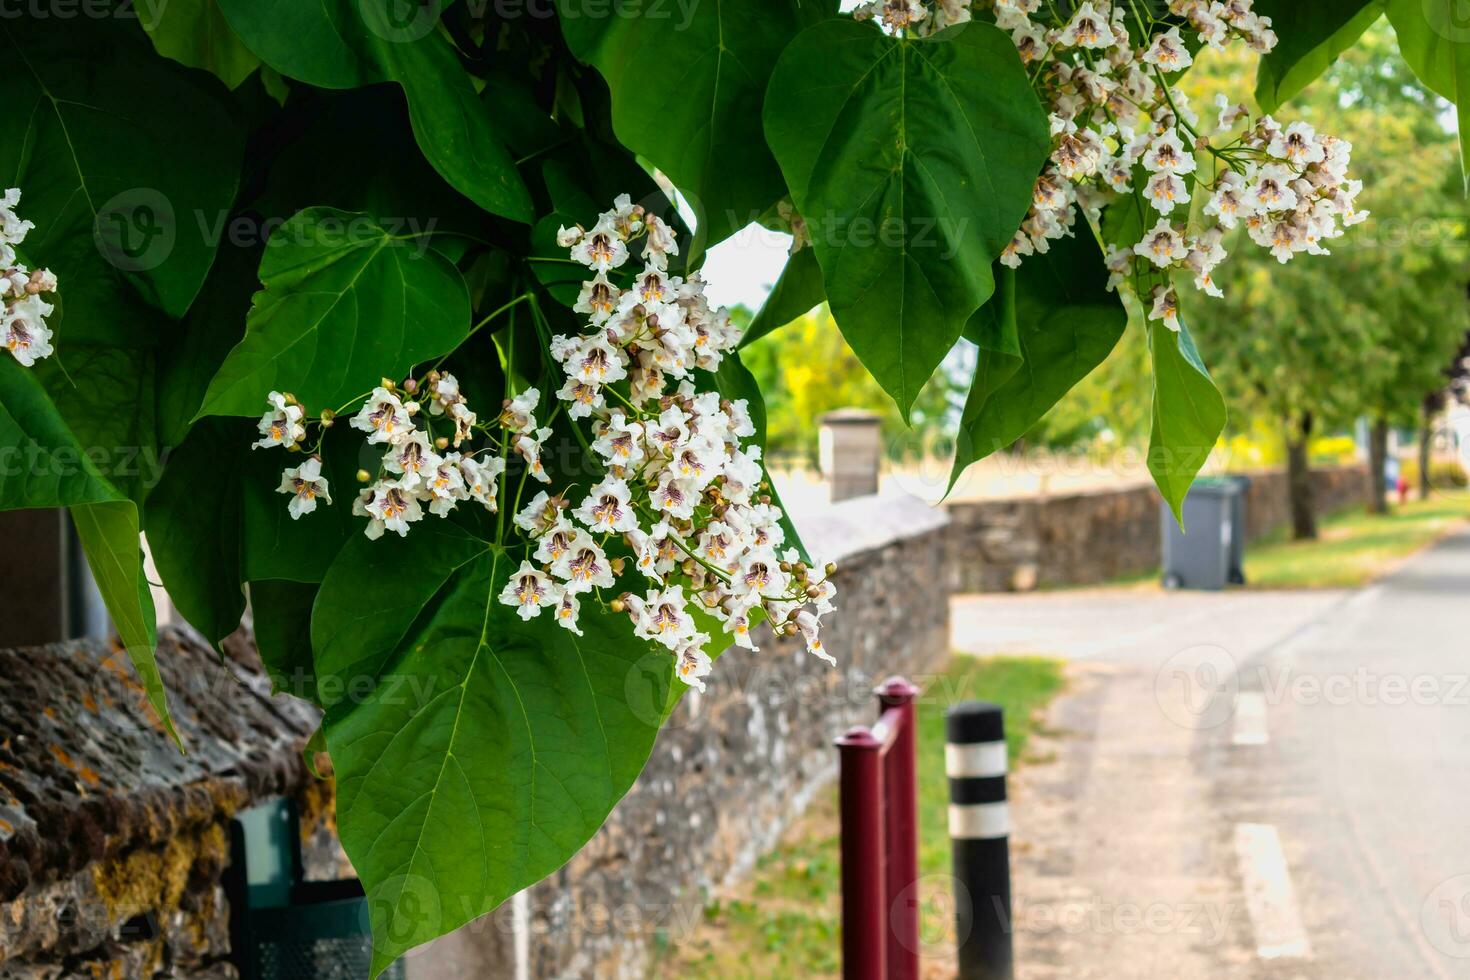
[617,605]
[786,566]
[327,416]
[363,476]
[441,443]
[410,386]
[831,568]
[617,566]
[412,408]
[387,383]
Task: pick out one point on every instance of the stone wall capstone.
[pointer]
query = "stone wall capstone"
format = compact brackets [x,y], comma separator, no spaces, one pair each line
[1088,538]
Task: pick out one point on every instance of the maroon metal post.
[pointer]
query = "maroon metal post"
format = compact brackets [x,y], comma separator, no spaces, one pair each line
[863,891]
[901,826]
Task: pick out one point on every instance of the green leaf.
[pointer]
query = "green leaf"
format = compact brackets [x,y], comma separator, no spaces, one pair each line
[109,537]
[344,304]
[195,33]
[914,162]
[687,84]
[490,749]
[1434,38]
[1312,35]
[1188,415]
[193,522]
[107,396]
[119,153]
[301,550]
[1049,328]
[52,468]
[282,617]
[342,44]
[795,294]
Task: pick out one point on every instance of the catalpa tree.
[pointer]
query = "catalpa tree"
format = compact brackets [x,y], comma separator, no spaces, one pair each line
[401,295]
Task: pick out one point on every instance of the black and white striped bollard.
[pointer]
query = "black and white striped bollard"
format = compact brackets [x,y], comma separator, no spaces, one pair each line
[979,831]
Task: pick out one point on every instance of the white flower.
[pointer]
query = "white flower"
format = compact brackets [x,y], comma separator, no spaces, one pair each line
[1168,52]
[411,458]
[383,417]
[1165,307]
[393,507]
[1230,203]
[480,479]
[608,507]
[305,483]
[716,543]
[530,450]
[540,515]
[810,628]
[666,618]
[759,575]
[519,414]
[1272,189]
[597,362]
[739,627]
[559,540]
[602,248]
[598,299]
[741,424]
[567,610]
[567,237]
[697,462]
[530,591]
[584,568]
[281,425]
[444,485]
[1162,245]
[1167,154]
[1164,191]
[675,497]
[584,398]
[694,664]
[620,441]
[1119,262]
[1230,112]
[660,243]
[25,334]
[1086,29]
[1298,144]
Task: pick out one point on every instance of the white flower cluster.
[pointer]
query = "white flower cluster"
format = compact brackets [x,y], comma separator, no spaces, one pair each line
[23,328]
[680,502]
[1119,127]
[681,493]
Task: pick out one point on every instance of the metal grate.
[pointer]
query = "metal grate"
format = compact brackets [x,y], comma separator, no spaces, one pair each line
[345,958]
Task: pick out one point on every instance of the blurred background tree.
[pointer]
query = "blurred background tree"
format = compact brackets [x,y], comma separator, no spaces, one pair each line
[1369,331]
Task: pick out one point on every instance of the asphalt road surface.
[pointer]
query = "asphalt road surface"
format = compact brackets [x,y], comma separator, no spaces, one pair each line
[1248,784]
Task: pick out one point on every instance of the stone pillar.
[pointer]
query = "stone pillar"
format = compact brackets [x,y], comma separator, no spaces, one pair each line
[850,446]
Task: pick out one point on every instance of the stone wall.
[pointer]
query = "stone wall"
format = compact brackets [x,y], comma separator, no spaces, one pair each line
[1087,538]
[732,768]
[112,841]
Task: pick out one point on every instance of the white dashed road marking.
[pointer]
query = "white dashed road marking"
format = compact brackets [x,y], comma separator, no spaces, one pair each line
[1269,895]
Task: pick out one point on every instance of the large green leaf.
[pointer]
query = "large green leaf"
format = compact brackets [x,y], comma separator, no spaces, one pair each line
[474,752]
[342,44]
[1063,323]
[281,613]
[687,85]
[344,303]
[109,536]
[913,161]
[195,33]
[193,524]
[1188,414]
[1434,38]
[119,154]
[47,465]
[1312,34]
[795,294]
[106,396]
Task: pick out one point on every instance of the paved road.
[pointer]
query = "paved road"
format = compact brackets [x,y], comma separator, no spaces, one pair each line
[1271,785]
